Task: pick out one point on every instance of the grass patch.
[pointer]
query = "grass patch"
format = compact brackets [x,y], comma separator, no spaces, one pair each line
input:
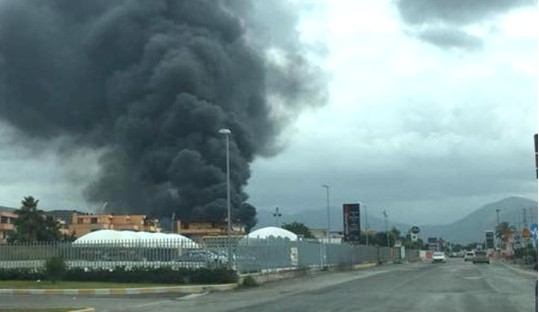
[40,310]
[72,284]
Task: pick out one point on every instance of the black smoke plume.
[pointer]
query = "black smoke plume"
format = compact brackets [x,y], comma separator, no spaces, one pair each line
[150,83]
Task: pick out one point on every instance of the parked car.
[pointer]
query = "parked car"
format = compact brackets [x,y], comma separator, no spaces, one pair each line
[438,256]
[199,255]
[468,256]
[481,256]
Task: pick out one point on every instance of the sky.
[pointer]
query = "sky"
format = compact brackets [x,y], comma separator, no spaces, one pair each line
[430,114]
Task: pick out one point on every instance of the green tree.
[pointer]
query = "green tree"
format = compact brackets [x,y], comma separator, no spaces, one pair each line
[32,225]
[298,229]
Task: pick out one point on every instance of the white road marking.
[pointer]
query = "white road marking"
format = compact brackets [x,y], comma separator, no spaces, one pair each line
[473,277]
[192,296]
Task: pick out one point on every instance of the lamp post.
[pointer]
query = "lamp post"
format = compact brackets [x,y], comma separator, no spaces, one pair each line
[329,224]
[226,133]
[387,233]
[277,214]
[366,227]
[327,205]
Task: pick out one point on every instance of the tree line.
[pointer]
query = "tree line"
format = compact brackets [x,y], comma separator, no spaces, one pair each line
[377,238]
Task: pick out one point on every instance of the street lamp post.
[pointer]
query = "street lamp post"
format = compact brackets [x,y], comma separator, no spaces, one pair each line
[327,205]
[366,227]
[387,233]
[329,226]
[497,225]
[227,133]
[277,214]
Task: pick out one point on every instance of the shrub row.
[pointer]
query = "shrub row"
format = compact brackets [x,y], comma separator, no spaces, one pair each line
[164,275]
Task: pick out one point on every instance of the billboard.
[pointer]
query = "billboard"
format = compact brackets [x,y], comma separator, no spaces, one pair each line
[489,240]
[352,225]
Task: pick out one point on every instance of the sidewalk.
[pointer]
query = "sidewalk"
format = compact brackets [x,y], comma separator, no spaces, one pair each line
[517,268]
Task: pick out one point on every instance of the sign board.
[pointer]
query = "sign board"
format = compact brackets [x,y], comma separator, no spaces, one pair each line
[535,145]
[526,233]
[352,225]
[489,239]
[533,230]
[294,259]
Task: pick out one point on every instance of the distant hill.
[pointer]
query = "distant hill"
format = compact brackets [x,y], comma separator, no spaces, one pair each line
[4,208]
[470,228]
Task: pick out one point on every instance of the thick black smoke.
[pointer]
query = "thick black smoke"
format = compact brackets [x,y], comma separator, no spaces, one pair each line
[151,83]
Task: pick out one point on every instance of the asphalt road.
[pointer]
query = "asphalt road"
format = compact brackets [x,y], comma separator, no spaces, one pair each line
[452,286]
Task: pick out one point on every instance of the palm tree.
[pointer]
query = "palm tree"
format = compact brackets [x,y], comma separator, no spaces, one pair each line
[30,221]
[504,230]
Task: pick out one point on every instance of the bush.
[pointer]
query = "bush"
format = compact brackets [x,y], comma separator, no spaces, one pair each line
[249,282]
[24,274]
[161,275]
[55,268]
[166,275]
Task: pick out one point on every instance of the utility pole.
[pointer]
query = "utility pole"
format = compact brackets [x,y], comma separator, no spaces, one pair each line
[498,216]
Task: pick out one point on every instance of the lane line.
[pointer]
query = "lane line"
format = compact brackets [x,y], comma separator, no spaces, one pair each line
[192,296]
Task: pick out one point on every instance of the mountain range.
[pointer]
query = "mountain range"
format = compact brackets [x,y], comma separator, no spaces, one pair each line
[469,229]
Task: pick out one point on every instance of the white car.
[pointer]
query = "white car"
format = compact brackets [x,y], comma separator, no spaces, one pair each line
[468,256]
[438,256]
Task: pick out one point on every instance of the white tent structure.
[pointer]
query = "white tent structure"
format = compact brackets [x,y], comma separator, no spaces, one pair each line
[133,239]
[272,232]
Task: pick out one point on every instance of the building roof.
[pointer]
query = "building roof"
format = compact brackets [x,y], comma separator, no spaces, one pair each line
[131,238]
[272,231]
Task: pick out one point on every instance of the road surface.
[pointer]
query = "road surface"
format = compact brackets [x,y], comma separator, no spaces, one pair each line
[453,286]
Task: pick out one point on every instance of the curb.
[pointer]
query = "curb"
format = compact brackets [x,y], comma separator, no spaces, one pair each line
[365,265]
[521,271]
[265,277]
[191,289]
[84,310]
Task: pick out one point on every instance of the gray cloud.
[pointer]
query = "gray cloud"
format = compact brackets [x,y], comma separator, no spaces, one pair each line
[457,12]
[441,22]
[450,38]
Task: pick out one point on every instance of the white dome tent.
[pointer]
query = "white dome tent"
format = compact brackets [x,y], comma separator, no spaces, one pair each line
[271,232]
[134,239]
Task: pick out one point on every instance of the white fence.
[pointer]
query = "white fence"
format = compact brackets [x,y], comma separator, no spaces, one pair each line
[246,255]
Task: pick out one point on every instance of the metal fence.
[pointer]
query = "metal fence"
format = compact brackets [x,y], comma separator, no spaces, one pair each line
[247,255]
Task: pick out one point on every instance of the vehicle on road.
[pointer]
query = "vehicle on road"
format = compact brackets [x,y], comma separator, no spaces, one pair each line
[481,256]
[438,256]
[455,254]
[468,256]
[202,256]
